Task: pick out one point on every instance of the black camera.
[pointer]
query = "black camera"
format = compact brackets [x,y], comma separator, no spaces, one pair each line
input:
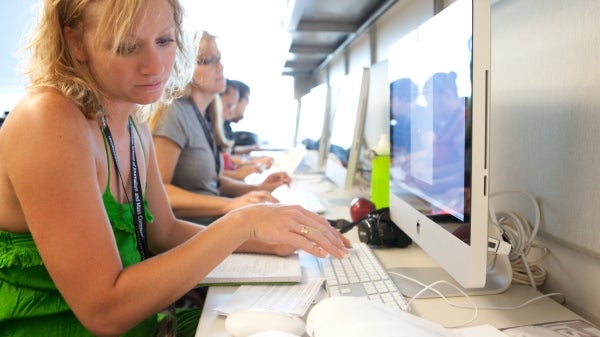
[377,229]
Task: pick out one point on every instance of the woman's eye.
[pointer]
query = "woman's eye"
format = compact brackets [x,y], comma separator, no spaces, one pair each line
[127,48]
[165,41]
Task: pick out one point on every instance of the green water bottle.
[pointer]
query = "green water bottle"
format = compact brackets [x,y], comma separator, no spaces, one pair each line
[380,174]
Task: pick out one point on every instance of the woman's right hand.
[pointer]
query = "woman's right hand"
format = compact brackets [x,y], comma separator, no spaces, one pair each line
[291,225]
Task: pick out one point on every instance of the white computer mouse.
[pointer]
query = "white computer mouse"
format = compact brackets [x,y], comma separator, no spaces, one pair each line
[244,323]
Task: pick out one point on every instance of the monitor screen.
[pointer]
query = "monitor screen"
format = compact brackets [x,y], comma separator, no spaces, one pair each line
[347,126]
[312,115]
[378,107]
[438,85]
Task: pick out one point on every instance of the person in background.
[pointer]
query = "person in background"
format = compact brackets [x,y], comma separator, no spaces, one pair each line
[231,97]
[233,167]
[237,166]
[89,247]
[237,115]
[220,105]
[244,141]
[187,151]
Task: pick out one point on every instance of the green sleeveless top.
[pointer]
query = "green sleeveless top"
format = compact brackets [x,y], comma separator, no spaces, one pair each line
[30,304]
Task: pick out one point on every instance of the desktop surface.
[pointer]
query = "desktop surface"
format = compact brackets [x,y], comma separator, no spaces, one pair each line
[437,310]
[433,309]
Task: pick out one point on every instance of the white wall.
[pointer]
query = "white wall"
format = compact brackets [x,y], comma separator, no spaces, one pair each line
[545,130]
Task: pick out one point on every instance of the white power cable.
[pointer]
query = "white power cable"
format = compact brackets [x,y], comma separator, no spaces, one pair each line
[515,229]
[521,234]
[473,306]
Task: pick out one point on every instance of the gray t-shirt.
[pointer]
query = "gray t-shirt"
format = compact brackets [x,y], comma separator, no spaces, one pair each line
[196,169]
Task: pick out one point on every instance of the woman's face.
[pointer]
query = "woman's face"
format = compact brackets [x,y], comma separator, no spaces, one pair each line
[208,75]
[138,72]
[240,108]
[230,100]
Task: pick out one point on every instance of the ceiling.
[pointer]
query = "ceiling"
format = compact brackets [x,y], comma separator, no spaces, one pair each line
[319,30]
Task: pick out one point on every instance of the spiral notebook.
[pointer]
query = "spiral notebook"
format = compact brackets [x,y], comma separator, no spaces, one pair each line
[251,268]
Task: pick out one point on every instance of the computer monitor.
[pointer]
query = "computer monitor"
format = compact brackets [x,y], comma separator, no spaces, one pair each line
[347,127]
[378,106]
[312,114]
[312,124]
[439,120]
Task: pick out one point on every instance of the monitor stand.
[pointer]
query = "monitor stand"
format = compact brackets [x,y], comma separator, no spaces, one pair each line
[498,279]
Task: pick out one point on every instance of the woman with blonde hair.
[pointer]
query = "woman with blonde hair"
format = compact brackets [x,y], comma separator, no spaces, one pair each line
[89,245]
[188,153]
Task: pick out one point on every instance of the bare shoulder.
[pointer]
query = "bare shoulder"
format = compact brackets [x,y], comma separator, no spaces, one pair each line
[43,123]
[47,105]
[44,110]
[43,138]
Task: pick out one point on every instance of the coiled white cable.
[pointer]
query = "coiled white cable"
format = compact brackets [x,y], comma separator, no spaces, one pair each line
[520,234]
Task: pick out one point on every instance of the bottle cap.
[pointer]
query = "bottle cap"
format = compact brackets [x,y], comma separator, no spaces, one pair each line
[383,147]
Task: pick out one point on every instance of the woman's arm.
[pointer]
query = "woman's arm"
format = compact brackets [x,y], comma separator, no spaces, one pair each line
[180,230]
[189,204]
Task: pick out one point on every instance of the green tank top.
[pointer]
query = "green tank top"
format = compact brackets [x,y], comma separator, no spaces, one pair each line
[31,305]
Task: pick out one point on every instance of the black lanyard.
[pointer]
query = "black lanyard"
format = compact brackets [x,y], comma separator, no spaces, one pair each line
[169,323]
[139,215]
[209,137]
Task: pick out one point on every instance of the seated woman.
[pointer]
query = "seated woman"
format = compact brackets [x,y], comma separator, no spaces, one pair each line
[187,150]
[89,245]
[222,109]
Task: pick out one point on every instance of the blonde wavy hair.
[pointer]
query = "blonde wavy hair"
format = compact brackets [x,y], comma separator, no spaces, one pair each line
[214,109]
[51,64]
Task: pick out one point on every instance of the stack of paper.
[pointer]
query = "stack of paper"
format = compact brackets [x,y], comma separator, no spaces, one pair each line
[250,268]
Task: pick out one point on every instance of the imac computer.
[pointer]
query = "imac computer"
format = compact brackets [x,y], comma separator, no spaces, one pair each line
[439,81]
[378,106]
[311,125]
[312,114]
[347,127]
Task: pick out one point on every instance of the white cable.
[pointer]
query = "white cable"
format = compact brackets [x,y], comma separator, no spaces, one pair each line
[520,234]
[473,305]
[431,288]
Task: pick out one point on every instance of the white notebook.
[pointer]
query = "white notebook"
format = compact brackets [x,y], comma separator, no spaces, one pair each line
[251,268]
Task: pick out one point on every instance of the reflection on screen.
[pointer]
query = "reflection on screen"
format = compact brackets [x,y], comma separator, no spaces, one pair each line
[430,97]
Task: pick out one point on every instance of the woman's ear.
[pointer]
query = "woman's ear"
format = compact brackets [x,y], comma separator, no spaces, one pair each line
[74,40]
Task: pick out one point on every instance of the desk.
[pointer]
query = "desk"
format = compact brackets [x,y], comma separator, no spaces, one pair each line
[434,309]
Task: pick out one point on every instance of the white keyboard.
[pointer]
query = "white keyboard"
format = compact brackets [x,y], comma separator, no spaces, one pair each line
[361,274]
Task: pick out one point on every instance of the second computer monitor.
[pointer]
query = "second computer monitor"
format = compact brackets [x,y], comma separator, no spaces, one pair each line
[347,127]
